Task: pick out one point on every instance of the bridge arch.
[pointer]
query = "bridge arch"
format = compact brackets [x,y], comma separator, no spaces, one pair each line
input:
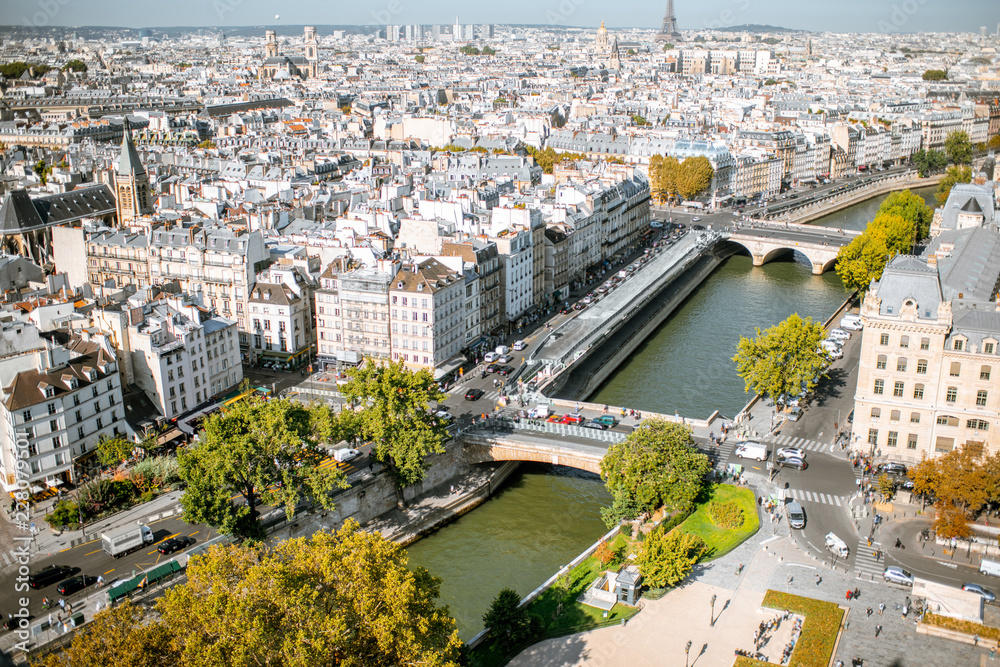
[489,449]
[763,250]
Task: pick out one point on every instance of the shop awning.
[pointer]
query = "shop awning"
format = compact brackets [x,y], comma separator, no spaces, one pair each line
[13,486]
[36,489]
[54,482]
[449,366]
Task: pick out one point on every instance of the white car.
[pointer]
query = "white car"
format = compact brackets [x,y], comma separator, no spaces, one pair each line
[839,344]
[442,414]
[503,359]
[346,454]
[491,357]
[840,334]
[519,345]
[791,452]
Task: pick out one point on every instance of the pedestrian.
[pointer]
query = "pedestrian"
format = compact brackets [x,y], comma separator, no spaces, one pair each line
[975,640]
[790,578]
[818,579]
[868,612]
[739,569]
[62,603]
[881,608]
[993,653]
[371,464]
[878,631]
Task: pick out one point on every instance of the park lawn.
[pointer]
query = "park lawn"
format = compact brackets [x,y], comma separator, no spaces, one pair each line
[575,617]
[819,629]
[721,541]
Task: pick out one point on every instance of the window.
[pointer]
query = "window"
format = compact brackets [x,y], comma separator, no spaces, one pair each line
[978,424]
[26,416]
[95,392]
[951,395]
[922,366]
[53,426]
[879,387]
[897,389]
[100,423]
[944,444]
[56,442]
[956,369]
[901,365]
[984,373]
[52,408]
[873,436]
[981,398]
[894,416]
[918,391]
[945,420]
[891,439]
[884,340]
[880,362]
[876,413]
[959,344]
[76,399]
[911,441]
[925,343]
[914,417]
[988,348]
[32,449]
[904,341]
[79,433]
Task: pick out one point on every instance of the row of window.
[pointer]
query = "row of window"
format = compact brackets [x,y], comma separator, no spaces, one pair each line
[892,440]
[955,370]
[958,344]
[942,420]
[951,394]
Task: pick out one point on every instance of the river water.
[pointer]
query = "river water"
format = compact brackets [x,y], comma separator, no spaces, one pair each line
[546,515]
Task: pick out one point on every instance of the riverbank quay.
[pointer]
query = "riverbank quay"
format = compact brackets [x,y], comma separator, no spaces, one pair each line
[812,212]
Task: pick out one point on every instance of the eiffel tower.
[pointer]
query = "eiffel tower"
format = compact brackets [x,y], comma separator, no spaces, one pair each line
[668,31]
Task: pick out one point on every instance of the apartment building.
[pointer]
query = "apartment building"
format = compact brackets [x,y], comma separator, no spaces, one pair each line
[58,412]
[930,351]
[118,259]
[427,316]
[352,316]
[279,315]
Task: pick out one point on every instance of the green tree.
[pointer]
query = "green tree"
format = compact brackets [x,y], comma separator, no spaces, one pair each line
[42,170]
[785,359]
[639,120]
[695,176]
[657,465]
[420,59]
[75,65]
[266,448]
[667,558]
[935,75]
[912,208]
[112,452]
[510,624]
[770,82]
[958,147]
[994,142]
[886,486]
[489,51]
[865,257]
[396,415]
[955,174]
[928,161]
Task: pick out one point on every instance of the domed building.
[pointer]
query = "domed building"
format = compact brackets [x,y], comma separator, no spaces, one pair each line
[601,44]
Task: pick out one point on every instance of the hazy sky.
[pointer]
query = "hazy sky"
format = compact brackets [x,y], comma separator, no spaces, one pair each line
[818,15]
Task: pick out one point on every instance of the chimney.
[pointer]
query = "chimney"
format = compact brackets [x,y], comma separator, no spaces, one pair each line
[932,261]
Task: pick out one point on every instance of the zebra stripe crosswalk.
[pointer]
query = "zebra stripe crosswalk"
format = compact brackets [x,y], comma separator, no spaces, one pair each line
[800,443]
[865,565]
[803,496]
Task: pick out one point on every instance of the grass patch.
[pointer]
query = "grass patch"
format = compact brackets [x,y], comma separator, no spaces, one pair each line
[819,629]
[968,627]
[574,617]
[721,541]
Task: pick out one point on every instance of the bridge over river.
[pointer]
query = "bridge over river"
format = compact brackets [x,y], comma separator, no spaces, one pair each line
[767,241]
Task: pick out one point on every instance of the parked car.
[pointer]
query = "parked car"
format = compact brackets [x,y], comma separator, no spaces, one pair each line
[174,544]
[795,462]
[790,452]
[346,454]
[892,468]
[976,588]
[595,425]
[607,420]
[74,584]
[574,418]
[49,575]
[897,575]
[519,345]
[795,414]
[555,419]
[474,394]
[840,334]
[579,305]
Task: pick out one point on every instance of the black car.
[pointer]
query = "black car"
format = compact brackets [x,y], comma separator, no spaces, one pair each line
[174,544]
[49,575]
[795,462]
[474,394]
[74,584]
[595,425]
[492,368]
[505,370]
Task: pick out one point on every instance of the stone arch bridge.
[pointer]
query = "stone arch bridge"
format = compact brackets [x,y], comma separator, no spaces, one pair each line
[819,245]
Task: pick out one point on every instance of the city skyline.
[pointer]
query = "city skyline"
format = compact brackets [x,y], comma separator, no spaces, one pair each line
[848,16]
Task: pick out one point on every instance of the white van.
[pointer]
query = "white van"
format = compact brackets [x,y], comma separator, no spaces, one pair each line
[539,412]
[490,357]
[851,323]
[840,334]
[502,350]
[990,567]
[751,450]
[837,546]
[796,515]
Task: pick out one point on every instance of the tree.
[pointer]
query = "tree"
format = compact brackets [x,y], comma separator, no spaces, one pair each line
[785,359]
[925,478]
[118,636]
[264,451]
[509,623]
[927,161]
[935,75]
[112,452]
[639,120]
[667,558]
[958,147]
[863,259]
[42,170]
[420,59]
[994,142]
[657,465]
[75,65]
[886,486]
[695,176]
[912,208]
[955,174]
[770,82]
[603,553]
[951,521]
[396,415]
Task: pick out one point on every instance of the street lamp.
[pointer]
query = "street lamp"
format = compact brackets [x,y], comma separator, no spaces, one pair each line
[712,622]
[687,650]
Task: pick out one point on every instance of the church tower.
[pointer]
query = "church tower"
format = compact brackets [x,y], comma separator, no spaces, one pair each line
[312,51]
[270,44]
[131,182]
[616,58]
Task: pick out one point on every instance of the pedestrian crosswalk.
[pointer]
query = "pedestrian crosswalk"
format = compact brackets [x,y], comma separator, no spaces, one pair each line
[800,443]
[865,564]
[803,496]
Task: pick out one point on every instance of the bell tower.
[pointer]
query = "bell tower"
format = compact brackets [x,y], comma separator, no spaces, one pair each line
[132,194]
[312,51]
[270,44]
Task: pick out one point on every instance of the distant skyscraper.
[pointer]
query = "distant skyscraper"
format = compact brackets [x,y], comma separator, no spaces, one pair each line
[668,31]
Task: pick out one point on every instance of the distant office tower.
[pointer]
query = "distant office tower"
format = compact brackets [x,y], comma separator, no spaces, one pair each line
[436,32]
[414,33]
[668,31]
[392,33]
[982,32]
